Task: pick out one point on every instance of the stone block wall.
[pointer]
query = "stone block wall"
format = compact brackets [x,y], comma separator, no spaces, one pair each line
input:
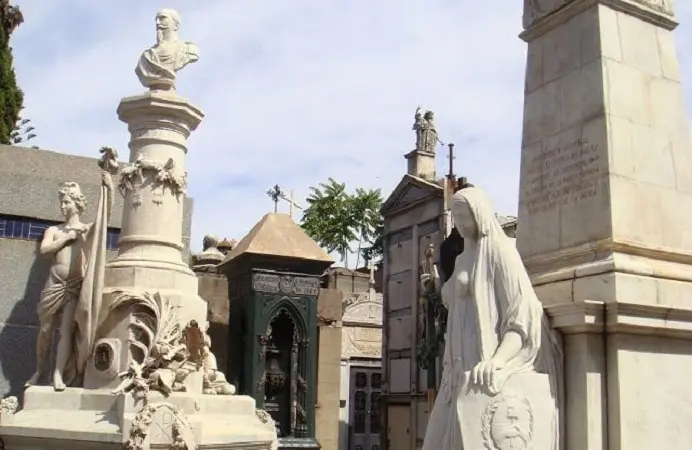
[213,288]
[328,368]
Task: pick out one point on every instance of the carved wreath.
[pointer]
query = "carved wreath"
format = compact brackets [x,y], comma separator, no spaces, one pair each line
[166,176]
[183,438]
[492,441]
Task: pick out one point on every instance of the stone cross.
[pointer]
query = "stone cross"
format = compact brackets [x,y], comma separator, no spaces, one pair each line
[292,203]
[373,268]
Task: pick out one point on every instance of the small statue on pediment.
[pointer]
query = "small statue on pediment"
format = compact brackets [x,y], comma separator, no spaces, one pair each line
[426,133]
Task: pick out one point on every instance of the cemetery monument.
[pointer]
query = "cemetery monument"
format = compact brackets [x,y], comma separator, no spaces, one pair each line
[134,369]
[604,215]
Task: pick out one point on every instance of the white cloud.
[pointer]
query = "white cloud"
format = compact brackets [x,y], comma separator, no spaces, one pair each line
[294,92]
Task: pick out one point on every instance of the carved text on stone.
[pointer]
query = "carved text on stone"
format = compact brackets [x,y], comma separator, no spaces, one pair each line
[561,176]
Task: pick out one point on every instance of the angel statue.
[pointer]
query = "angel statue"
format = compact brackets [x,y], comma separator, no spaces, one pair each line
[496,330]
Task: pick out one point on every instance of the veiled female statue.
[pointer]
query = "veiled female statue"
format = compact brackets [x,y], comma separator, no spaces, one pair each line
[496,328]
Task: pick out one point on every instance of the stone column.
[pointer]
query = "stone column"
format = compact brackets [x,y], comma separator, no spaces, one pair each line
[605,215]
[150,246]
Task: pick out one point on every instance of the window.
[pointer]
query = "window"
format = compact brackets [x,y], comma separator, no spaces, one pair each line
[15,227]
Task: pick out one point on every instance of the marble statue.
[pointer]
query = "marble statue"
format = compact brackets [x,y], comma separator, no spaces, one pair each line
[210,256]
[496,330]
[159,64]
[71,298]
[426,133]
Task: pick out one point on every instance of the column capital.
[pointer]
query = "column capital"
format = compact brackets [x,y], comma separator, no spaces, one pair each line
[160,108]
[541,16]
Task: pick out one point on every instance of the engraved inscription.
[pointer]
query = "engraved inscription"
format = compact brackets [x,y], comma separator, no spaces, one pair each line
[263,282]
[561,176]
[306,286]
[273,284]
[368,334]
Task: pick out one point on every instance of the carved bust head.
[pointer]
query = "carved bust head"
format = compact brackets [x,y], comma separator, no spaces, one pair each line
[167,24]
[72,201]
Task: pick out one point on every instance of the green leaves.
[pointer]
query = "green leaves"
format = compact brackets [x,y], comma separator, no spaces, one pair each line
[337,220]
[11,97]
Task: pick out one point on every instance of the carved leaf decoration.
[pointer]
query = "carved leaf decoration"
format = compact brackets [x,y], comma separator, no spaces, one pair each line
[154,321]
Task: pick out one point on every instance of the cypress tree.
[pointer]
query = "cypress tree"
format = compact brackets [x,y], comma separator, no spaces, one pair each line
[11,97]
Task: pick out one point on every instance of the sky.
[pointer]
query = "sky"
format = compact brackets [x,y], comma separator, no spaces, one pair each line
[293,92]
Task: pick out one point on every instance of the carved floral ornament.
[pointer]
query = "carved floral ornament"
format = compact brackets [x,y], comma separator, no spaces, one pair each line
[163,354]
[164,175]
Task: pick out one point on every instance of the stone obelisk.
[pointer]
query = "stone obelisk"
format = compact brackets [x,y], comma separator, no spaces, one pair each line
[153,184]
[605,215]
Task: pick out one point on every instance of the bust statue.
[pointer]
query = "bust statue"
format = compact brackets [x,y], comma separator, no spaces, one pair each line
[210,256]
[159,64]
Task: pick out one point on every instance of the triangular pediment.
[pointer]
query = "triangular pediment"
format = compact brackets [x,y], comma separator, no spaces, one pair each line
[363,308]
[409,191]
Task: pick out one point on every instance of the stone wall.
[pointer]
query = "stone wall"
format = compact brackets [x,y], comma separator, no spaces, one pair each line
[213,288]
[329,313]
[30,181]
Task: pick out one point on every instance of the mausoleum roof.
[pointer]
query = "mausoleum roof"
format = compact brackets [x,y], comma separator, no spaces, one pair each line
[277,234]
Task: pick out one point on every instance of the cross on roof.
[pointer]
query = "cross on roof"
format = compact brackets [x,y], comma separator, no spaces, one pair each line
[373,268]
[275,194]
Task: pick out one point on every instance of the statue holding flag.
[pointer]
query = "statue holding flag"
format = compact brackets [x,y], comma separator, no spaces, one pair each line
[71,299]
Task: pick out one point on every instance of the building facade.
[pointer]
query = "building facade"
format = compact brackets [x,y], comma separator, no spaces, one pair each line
[29,182]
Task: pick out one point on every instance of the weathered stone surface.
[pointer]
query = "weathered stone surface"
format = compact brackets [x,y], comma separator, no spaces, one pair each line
[606,184]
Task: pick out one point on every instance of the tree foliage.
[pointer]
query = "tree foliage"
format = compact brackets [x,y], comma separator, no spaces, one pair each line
[11,97]
[338,220]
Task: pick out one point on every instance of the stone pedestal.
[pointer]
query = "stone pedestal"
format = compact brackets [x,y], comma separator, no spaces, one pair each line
[421,164]
[604,215]
[80,419]
[150,245]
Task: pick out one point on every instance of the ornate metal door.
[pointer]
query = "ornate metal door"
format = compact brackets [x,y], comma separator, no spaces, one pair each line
[365,392]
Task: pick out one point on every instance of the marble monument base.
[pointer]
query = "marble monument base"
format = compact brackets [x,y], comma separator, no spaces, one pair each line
[520,417]
[81,419]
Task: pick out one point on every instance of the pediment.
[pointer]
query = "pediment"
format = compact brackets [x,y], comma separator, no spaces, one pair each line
[409,191]
[363,308]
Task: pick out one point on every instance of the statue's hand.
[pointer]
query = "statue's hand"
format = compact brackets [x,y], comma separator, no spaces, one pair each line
[72,235]
[425,278]
[485,372]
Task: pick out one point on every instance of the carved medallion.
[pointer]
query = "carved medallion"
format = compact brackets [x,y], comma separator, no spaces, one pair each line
[508,424]
[286,285]
[104,353]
